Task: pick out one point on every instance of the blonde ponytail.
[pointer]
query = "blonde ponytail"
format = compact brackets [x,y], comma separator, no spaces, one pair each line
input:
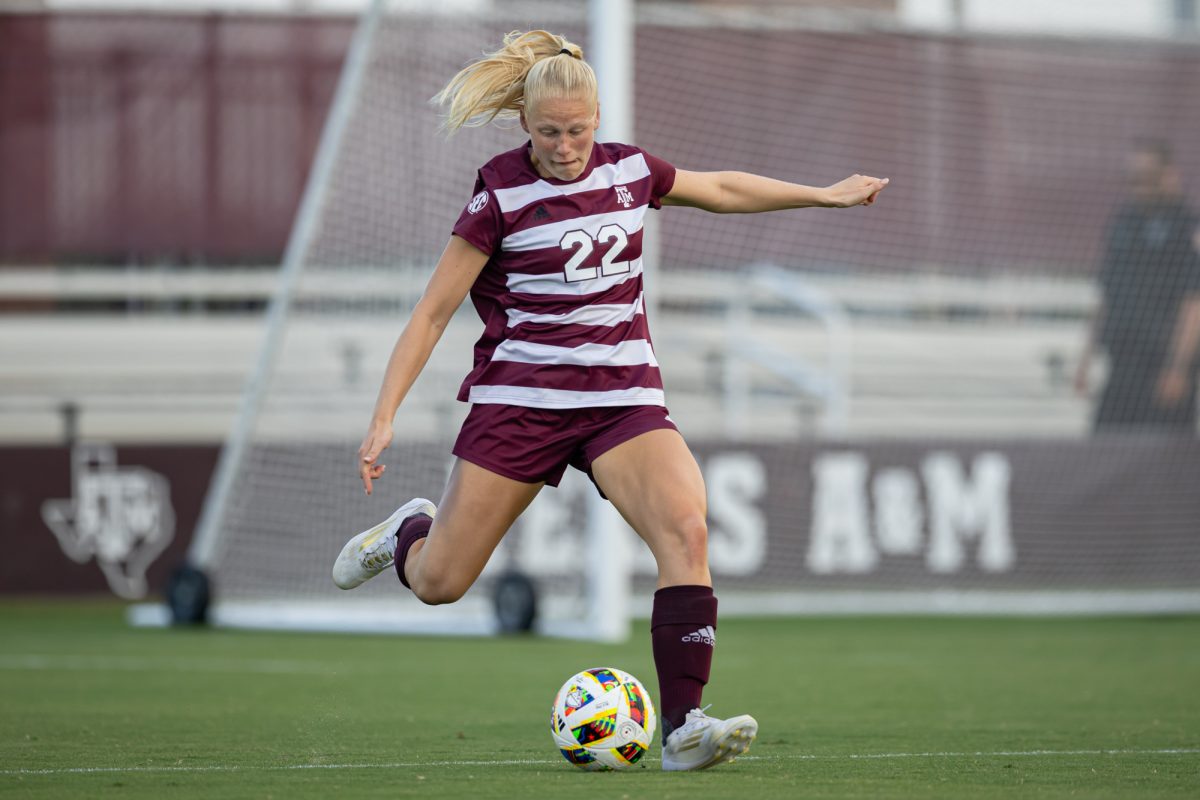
[529,67]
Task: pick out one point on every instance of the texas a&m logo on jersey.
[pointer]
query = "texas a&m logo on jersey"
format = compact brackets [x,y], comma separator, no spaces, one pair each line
[624,196]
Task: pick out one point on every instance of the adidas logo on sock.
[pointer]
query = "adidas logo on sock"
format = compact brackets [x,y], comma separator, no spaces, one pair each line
[705,635]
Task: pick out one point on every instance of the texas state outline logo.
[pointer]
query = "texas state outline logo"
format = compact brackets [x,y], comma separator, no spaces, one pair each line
[121,516]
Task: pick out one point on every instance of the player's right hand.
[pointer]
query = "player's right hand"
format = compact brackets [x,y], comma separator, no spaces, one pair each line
[378,437]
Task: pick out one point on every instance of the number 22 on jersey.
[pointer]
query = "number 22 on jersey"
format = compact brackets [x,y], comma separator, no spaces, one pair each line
[583,245]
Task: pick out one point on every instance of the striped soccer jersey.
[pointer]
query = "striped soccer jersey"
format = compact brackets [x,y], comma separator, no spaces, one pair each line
[561,296]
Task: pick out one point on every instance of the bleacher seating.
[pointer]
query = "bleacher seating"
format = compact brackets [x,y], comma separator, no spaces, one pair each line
[951,358]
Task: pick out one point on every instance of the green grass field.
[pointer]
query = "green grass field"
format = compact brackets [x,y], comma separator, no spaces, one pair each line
[870,708]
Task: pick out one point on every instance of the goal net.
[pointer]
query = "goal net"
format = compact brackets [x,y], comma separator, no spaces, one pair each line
[884,401]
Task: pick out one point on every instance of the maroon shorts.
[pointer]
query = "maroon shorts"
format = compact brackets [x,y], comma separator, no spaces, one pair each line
[532,445]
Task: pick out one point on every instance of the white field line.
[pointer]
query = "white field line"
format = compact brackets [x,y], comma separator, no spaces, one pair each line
[34,662]
[541,762]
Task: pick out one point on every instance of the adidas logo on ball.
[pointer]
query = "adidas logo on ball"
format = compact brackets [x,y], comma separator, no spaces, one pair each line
[705,635]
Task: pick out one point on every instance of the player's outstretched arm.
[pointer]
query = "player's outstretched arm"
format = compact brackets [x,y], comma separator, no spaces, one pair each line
[456,271]
[743,193]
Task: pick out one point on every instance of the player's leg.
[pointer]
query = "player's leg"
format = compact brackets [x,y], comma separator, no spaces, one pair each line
[505,455]
[438,552]
[477,509]
[656,484]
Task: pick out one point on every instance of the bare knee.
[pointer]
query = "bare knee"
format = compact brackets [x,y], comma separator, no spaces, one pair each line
[437,590]
[688,540]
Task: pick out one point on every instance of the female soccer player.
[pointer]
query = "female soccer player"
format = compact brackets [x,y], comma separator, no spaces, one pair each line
[549,248]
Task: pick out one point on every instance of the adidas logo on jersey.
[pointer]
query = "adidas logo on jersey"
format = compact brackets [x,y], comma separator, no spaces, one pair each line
[705,635]
[540,213]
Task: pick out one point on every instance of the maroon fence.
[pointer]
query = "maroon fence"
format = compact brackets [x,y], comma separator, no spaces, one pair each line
[127,138]
[141,138]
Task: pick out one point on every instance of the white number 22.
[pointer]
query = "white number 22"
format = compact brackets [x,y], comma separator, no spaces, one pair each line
[582,244]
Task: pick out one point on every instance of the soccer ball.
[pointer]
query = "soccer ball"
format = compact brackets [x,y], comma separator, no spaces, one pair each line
[603,719]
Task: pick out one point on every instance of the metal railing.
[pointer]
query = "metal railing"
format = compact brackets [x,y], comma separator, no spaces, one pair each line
[830,384]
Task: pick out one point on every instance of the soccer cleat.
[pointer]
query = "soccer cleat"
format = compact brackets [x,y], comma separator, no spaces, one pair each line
[374,550]
[703,741]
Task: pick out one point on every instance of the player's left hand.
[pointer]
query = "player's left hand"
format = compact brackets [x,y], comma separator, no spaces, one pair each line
[857,190]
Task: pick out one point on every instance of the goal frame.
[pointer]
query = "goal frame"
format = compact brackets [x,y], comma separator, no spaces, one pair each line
[608,606]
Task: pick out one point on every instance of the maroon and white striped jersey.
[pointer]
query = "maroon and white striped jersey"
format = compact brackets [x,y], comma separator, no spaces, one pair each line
[561,295]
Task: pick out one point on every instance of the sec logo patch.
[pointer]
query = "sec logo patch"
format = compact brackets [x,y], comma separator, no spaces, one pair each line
[477,202]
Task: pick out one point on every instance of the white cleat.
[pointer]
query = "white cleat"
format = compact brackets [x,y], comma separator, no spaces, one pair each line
[703,742]
[374,550]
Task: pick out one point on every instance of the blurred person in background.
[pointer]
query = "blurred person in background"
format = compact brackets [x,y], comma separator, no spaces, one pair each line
[1148,319]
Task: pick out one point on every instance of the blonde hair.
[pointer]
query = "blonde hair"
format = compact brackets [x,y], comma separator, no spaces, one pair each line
[530,67]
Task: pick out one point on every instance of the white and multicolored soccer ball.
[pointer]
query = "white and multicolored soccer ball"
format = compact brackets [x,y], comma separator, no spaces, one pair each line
[603,719]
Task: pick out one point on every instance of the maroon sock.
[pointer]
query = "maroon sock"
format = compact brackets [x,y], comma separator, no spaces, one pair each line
[413,528]
[682,630]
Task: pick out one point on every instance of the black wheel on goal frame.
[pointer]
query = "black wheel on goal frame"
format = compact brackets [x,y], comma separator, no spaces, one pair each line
[514,598]
[188,594]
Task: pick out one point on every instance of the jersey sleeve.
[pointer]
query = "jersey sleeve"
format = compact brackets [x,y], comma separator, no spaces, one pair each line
[662,178]
[481,222]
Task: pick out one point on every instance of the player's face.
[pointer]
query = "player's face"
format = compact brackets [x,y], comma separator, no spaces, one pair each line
[562,131]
